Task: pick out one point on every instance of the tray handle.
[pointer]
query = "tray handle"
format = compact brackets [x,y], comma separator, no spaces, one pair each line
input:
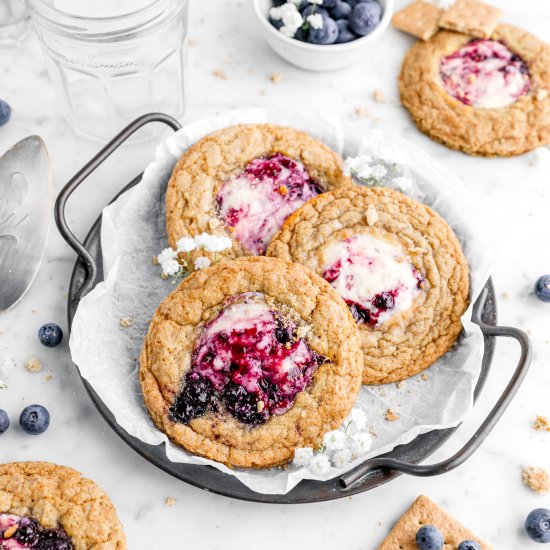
[59,211]
[357,474]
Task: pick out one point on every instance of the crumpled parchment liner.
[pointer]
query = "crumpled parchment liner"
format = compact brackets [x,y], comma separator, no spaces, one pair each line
[133,231]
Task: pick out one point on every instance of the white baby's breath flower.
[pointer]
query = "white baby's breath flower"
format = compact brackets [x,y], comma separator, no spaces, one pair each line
[203,240]
[291,18]
[358,166]
[315,20]
[276,13]
[319,465]
[318,2]
[166,255]
[186,244]
[303,456]
[218,244]
[170,267]
[379,171]
[402,183]
[335,440]
[360,443]
[201,262]
[341,458]
[356,421]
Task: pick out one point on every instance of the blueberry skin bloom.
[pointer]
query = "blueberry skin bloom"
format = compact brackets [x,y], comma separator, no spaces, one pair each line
[50,335]
[542,288]
[429,537]
[344,32]
[469,545]
[34,419]
[4,421]
[537,525]
[341,10]
[5,112]
[327,34]
[365,17]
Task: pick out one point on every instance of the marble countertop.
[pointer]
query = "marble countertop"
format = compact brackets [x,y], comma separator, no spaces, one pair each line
[486,493]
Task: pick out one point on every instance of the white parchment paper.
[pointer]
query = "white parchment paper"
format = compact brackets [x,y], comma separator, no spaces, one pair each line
[133,231]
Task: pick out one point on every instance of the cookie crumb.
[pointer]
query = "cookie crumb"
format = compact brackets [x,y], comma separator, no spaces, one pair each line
[170,501]
[48,378]
[400,384]
[219,73]
[373,432]
[541,94]
[260,406]
[424,376]
[542,424]
[537,479]
[276,77]
[302,331]
[505,295]
[378,96]
[155,260]
[192,41]
[10,531]
[283,189]
[213,223]
[372,215]
[126,322]
[391,416]
[33,365]
[362,112]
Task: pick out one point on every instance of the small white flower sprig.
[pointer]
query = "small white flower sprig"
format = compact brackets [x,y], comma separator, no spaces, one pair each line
[376,172]
[340,447]
[177,263]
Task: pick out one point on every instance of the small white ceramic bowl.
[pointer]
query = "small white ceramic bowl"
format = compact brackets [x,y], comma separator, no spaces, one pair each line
[316,57]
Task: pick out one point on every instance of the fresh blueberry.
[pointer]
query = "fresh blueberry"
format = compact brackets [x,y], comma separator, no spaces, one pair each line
[278,3]
[34,419]
[277,23]
[384,301]
[429,537]
[301,34]
[469,545]
[312,9]
[329,4]
[341,10]
[344,32]
[50,335]
[4,421]
[243,405]
[5,112]
[327,34]
[365,17]
[542,288]
[537,525]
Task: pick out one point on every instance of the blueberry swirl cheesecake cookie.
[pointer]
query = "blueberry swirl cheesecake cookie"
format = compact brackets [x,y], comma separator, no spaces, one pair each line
[397,265]
[48,507]
[484,96]
[244,181]
[248,360]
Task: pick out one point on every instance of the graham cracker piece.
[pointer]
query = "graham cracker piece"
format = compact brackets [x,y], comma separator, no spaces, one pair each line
[537,479]
[542,424]
[421,19]
[471,17]
[423,512]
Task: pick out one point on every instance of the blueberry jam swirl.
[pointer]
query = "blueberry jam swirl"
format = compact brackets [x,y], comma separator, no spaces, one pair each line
[485,74]
[24,532]
[374,276]
[256,202]
[249,361]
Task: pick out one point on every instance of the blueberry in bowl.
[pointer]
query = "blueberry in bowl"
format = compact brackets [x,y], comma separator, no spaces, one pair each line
[322,35]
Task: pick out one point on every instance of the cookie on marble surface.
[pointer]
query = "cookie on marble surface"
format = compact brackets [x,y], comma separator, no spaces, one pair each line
[397,264]
[483,97]
[243,181]
[425,512]
[471,17]
[248,360]
[421,19]
[42,503]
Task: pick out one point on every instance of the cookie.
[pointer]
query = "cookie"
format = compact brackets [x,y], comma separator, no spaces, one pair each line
[248,360]
[243,181]
[421,19]
[426,512]
[471,17]
[42,502]
[483,97]
[398,266]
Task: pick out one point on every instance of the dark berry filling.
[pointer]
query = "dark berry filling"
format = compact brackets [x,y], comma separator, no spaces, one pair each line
[256,202]
[25,532]
[249,362]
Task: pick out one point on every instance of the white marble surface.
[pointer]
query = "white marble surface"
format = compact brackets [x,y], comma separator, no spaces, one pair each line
[486,493]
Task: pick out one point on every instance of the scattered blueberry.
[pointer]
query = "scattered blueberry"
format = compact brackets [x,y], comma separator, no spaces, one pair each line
[34,419]
[329,4]
[277,23]
[4,421]
[537,525]
[469,545]
[312,9]
[327,34]
[365,17]
[5,112]
[429,537]
[542,288]
[50,335]
[341,10]
[301,35]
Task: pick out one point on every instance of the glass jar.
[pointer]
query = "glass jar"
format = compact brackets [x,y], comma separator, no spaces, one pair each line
[108,70]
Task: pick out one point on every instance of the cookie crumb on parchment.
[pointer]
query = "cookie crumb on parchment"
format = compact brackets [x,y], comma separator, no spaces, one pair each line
[537,479]
[542,424]
[33,364]
[126,322]
[170,501]
[219,73]
[378,96]
[391,416]
[276,77]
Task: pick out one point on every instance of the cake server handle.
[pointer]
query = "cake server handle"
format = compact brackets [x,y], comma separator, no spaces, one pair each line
[357,474]
[81,175]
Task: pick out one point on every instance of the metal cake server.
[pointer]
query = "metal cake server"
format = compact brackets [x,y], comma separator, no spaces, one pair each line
[25,209]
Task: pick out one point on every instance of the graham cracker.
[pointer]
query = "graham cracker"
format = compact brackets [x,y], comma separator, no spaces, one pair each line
[425,512]
[421,19]
[471,17]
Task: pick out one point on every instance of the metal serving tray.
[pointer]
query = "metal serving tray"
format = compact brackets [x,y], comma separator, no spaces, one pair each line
[88,271]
